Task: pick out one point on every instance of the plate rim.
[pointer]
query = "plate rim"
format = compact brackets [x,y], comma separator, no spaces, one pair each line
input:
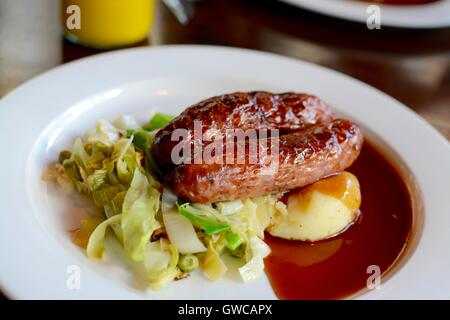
[42,78]
[393,16]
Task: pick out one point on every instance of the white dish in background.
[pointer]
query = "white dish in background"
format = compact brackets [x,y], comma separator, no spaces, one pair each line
[47,113]
[432,15]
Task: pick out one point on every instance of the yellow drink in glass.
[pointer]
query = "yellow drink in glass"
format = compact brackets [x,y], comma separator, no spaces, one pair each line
[107,23]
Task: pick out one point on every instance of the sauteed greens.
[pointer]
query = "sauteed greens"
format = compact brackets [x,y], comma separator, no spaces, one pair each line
[113,166]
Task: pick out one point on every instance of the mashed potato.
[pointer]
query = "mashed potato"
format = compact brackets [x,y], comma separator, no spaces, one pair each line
[320,210]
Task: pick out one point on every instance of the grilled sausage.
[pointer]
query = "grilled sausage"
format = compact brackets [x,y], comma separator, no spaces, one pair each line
[287,112]
[304,157]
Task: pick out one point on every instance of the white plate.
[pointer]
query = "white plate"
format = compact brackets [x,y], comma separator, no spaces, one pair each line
[47,113]
[432,15]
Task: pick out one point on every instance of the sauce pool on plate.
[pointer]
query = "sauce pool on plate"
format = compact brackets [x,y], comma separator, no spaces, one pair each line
[338,267]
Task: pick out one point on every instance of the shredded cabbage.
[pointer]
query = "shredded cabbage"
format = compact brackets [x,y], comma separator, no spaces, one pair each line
[105,134]
[156,258]
[87,226]
[160,273]
[257,251]
[139,209]
[81,158]
[125,160]
[179,229]
[227,208]
[181,233]
[95,246]
[114,167]
[212,265]
[200,219]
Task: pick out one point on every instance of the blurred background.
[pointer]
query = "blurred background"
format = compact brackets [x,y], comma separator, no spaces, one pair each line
[411,65]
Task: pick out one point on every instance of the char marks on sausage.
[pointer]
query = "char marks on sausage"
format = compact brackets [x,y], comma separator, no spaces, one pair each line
[287,112]
[304,157]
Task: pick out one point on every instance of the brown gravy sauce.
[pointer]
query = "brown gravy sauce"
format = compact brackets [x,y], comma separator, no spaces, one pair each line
[337,268]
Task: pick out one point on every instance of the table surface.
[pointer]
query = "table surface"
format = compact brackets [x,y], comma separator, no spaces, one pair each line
[413,66]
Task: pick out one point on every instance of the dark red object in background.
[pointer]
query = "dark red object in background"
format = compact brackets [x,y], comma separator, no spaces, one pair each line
[401,2]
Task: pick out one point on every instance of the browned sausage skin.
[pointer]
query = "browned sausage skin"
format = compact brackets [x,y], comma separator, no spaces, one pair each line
[287,112]
[304,157]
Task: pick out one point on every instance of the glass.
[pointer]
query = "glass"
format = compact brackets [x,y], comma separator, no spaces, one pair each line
[107,23]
